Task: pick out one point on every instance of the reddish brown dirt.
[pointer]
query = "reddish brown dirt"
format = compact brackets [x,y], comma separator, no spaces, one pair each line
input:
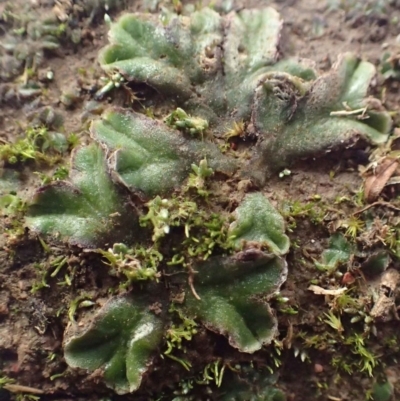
[31,328]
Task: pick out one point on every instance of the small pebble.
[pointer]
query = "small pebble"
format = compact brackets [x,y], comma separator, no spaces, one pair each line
[3,310]
[348,278]
[318,368]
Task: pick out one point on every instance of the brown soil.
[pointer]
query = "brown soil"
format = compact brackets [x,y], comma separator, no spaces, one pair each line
[32,325]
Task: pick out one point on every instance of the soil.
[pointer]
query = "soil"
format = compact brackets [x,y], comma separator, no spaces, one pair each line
[32,323]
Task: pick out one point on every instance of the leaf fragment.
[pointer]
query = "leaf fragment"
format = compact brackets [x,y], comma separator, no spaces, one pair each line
[150,158]
[234,295]
[120,340]
[316,289]
[87,210]
[375,183]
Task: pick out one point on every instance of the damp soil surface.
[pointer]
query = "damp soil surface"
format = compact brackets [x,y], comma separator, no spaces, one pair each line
[315,362]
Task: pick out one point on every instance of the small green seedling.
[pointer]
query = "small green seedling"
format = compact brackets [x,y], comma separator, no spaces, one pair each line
[194,126]
[390,66]
[214,373]
[339,252]
[166,213]
[177,334]
[197,179]
[114,80]
[37,144]
[136,264]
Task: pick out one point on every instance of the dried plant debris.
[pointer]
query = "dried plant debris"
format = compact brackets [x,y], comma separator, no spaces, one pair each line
[383,169]
[375,183]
